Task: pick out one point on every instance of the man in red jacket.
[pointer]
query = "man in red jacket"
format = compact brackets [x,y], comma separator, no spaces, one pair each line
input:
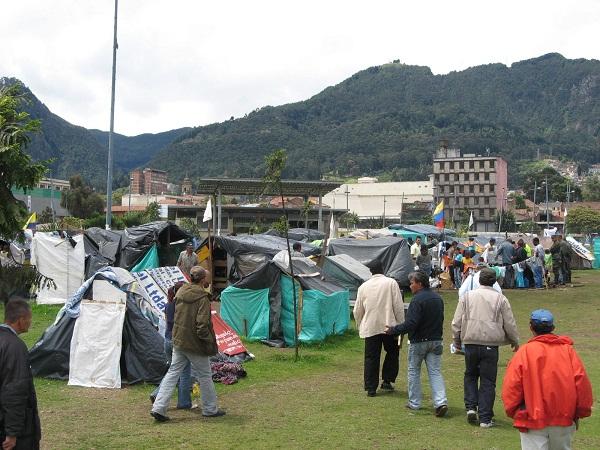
[546,389]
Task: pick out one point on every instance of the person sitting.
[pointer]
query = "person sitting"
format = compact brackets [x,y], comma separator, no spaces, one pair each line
[424,261]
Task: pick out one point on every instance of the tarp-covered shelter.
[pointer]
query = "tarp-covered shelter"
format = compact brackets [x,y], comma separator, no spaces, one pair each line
[391,253]
[260,305]
[299,234]
[423,228]
[141,348]
[61,258]
[346,271]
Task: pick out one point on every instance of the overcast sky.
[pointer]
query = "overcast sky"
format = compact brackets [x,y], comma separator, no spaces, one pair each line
[191,62]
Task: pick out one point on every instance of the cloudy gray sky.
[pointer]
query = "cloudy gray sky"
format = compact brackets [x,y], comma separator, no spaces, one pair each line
[190,62]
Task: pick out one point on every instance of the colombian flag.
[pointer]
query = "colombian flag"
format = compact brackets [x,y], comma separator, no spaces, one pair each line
[31,222]
[438,215]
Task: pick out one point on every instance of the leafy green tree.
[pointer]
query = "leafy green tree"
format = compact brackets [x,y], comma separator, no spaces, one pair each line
[557,185]
[583,220]
[16,167]
[190,225]
[350,218]
[591,189]
[152,212]
[81,200]
[506,220]
[45,216]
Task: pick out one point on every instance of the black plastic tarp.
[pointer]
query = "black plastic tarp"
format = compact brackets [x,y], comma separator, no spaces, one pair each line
[391,253]
[299,234]
[101,249]
[260,243]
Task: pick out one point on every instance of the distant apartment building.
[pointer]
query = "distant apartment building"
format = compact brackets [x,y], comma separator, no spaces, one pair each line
[470,183]
[148,181]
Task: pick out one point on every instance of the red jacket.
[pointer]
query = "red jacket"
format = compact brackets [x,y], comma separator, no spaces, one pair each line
[546,384]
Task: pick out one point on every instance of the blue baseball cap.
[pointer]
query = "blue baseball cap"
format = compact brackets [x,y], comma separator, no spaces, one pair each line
[542,317]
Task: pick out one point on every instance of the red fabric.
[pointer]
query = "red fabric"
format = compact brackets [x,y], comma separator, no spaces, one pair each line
[546,384]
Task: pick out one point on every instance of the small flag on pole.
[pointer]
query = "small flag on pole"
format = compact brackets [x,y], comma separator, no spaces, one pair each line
[565,211]
[332,228]
[471,221]
[31,222]
[208,212]
[438,215]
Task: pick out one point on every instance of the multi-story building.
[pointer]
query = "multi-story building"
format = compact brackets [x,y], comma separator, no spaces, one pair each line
[470,183]
[148,181]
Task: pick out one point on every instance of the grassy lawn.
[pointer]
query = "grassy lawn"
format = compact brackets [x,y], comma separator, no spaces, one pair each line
[318,402]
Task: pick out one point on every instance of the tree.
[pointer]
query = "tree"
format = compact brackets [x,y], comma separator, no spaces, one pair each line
[45,216]
[557,185]
[16,167]
[583,220]
[152,212]
[350,218]
[190,226]
[81,200]
[591,189]
[508,223]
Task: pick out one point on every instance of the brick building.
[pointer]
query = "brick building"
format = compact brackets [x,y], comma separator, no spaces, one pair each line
[148,181]
[470,183]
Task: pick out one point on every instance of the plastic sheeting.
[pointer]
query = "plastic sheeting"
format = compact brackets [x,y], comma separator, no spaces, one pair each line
[392,253]
[246,311]
[97,339]
[56,258]
[299,234]
[423,228]
[347,272]
[149,261]
[260,243]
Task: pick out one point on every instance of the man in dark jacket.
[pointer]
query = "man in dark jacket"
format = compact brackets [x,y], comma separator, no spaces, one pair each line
[556,261]
[424,324]
[566,254]
[19,420]
[194,341]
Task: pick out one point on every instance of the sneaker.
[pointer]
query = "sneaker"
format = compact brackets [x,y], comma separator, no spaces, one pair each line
[407,406]
[441,410]
[387,386]
[472,416]
[489,424]
[159,417]
[371,393]
[219,413]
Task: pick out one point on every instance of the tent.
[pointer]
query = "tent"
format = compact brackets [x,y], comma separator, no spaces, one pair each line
[392,253]
[299,234]
[260,306]
[347,272]
[60,257]
[426,229]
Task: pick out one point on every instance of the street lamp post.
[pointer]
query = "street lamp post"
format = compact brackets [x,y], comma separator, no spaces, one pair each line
[112,127]
[547,216]
[534,193]
[384,201]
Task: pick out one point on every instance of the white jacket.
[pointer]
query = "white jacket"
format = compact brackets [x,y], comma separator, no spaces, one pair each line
[378,304]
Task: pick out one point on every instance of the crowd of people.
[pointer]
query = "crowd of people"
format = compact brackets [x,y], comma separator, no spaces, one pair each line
[546,389]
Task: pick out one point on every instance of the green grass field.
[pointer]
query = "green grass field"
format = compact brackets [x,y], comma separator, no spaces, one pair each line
[318,402]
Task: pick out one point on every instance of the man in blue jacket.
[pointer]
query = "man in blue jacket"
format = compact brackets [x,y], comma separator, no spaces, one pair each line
[424,324]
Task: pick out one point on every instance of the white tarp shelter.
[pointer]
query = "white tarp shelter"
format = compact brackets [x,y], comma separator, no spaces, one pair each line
[96,344]
[63,260]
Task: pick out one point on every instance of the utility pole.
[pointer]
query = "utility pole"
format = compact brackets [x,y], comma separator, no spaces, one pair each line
[566,209]
[547,216]
[112,127]
[383,224]
[401,208]
[454,209]
[534,216]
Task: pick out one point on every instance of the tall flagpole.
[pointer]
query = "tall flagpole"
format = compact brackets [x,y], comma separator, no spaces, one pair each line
[112,127]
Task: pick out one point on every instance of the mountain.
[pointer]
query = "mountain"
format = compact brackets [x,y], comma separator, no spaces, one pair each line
[389,120]
[75,149]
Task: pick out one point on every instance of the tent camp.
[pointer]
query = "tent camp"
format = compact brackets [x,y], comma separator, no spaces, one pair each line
[392,253]
[261,306]
[61,258]
[299,234]
[347,272]
[425,229]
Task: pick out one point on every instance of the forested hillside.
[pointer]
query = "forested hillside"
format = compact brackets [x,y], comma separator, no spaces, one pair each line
[389,119]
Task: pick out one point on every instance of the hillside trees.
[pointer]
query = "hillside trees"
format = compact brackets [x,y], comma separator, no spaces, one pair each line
[583,220]
[17,170]
[591,189]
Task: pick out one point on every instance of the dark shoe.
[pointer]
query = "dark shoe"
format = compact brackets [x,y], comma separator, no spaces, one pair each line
[152,399]
[371,393]
[472,416]
[159,417]
[387,386]
[441,410]
[184,407]
[219,413]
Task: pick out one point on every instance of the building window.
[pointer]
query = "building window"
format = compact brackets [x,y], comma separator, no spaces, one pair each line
[492,164]
[471,189]
[486,176]
[461,165]
[492,189]
[460,189]
[471,165]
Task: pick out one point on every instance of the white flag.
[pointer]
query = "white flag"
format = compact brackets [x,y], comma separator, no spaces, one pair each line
[471,221]
[565,211]
[332,228]
[208,212]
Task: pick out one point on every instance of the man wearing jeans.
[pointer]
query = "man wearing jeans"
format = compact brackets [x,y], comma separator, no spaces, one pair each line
[483,321]
[194,341]
[424,324]
[538,268]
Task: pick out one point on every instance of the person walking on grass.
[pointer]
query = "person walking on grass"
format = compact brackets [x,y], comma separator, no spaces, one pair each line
[482,322]
[546,389]
[424,325]
[194,341]
[379,302]
[19,420]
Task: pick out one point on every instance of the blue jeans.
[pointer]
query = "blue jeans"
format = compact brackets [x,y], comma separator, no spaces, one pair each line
[184,389]
[538,276]
[201,366]
[431,352]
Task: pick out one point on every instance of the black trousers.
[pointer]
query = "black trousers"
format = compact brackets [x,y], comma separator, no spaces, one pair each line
[481,369]
[391,363]
[566,270]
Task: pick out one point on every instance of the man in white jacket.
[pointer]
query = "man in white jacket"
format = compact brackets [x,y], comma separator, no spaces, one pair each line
[482,322]
[379,303]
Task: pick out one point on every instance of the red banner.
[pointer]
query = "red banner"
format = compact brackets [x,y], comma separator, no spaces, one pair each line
[227,339]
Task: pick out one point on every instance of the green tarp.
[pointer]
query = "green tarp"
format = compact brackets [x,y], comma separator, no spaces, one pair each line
[149,261]
[246,311]
[322,315]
